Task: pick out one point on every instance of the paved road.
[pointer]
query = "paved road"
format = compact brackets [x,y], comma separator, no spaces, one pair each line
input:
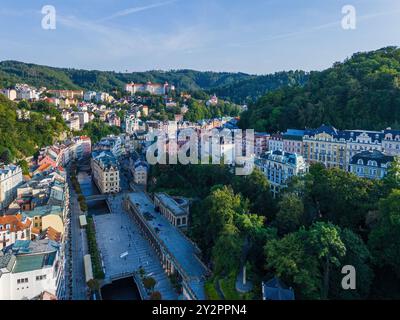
[79,249]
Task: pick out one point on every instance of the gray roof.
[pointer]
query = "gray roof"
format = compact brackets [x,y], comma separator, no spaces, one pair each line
[375,155]
[171,204]
[274,289]
[179,246]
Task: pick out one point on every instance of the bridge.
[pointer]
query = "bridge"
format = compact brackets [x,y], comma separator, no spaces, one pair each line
[97,197]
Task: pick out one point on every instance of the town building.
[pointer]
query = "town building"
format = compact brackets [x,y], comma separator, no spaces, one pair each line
[103,97]
[176,210]
[325,145]
[391,142]
[83,117]
[73,124]
[9,93]
[293,141]
[89,96]
[139,170]
[279,167]
[28,268]
[73,94]
[213,101]
[261,143]
[10,179]
[114,144]
[370,164]
[274,289]
[362,140]
[105,171]
[275,142]
[149,87]
[26,92]
[13,228]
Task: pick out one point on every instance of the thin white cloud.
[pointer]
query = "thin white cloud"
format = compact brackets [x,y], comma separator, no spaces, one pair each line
[129,11]
[311,30]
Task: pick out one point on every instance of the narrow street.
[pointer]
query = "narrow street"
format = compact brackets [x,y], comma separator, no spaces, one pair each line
[79,249]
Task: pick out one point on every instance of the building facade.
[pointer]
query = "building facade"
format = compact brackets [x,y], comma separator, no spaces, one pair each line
[279,167]
[29,268]
[370,164]
[325,145]
[13,228]
[105,171]
[275,142]
[175,210]
[10,179]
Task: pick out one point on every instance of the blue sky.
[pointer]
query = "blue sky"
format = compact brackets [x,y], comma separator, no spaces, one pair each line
[253,36]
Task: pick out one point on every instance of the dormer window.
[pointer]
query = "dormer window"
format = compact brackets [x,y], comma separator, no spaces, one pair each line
[360,162]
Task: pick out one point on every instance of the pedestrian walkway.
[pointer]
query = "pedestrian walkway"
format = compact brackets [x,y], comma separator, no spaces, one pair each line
[117,234]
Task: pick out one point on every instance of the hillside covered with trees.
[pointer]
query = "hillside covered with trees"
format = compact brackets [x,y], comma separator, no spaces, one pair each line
[362,92]
[21,138]
[249,90]
[237,87]
[325,220]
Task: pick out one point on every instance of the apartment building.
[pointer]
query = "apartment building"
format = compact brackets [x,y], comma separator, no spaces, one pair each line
[275,142]
[370,164]
[13,228]
[261,142]
[29,268]
[9,93]
[10,179]
[279,167]
[293,141]
[105,171]
[326,145]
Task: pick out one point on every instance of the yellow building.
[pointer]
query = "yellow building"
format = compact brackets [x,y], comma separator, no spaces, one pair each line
[325,145]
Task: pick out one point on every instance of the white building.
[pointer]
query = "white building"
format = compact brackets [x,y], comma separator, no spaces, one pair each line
[139,171]
[391,142]
[29,268]
[83,117]
[10,178]
[133,124]
[279,167]
[105,171]
[89,95]
[152,88]
[26,92]
[9,93]
[73,124]
[103,97]
[275,142]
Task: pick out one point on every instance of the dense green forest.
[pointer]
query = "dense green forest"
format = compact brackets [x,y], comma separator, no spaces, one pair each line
[249,90]
[322,222]
[362,92]
[238,87]
[20,138]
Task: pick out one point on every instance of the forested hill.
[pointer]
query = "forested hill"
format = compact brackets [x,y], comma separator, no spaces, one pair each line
[249,90]
[362,92]
[237,87]
[21,138]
